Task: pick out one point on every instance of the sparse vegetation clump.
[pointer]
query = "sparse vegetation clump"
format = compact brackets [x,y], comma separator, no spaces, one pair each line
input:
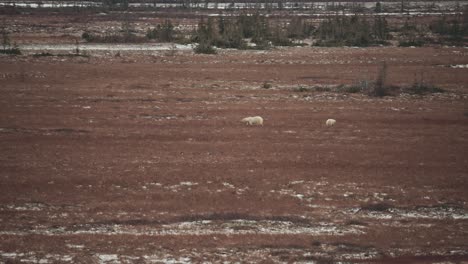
[115,4]
[255,28]
[301,89]
[315,88]
[376,207]
[126,34]
[113,38]
[43,54]
[204,48]
[14,50]
[376,88]
[205,36]
[452,30]
[380,88]
[378,7]
[48,54]
[421,87]
[298,28]
[412,34]
[267,85]
[7,48]
[223,34]
[357,88]
[164,32]
[352,31]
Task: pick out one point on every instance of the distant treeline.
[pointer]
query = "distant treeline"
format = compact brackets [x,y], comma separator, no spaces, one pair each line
[257,31]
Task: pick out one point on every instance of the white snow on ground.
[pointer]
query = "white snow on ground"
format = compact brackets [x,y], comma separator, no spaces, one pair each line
[105,47]
[362,255]
[254,227]
[108,258]
[32,257]
[205,227]
[25,207]
[317,6]
[188,183]
[459,66]
[230,255]
[75,246]
[435,213]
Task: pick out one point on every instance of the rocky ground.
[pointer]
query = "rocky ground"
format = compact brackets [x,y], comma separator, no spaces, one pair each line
[142,158]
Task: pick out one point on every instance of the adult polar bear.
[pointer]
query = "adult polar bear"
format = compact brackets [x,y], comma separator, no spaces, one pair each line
[330,122]
[253,120]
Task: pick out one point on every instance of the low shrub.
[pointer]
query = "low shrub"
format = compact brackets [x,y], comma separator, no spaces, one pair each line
[301,89]
[317,88]
[48,54]
[11,51]
[266,85]
[113,38]
[43,54]
[204,48]
[414,43]
[321,89]
[360,86]
[379,87]
[423,88]
[376,207]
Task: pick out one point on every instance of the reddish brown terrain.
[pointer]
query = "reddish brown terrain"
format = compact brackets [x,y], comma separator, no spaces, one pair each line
[142,158]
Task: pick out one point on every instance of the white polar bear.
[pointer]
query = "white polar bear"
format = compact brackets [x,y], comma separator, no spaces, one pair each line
[253,120]
[330,122]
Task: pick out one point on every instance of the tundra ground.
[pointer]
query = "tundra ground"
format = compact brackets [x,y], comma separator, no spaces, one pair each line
[143,158]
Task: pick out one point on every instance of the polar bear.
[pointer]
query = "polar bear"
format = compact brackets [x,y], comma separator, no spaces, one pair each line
[253,120]
[330,122]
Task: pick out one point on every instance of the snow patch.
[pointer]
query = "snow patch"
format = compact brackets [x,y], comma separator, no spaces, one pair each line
[459,66]
[108,258]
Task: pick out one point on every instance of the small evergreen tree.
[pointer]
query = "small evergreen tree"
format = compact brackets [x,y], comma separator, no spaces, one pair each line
[6,43]
[262,33]
[378,7]
[411,34]
[164,32]
[279,37]
[380,29]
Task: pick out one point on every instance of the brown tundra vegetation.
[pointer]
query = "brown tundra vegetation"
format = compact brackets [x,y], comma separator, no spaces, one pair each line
[125,146]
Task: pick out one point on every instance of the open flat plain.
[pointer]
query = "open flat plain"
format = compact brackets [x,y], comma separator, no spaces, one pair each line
[142,158]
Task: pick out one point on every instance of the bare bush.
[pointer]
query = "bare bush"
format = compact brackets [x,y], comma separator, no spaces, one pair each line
[380,88]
